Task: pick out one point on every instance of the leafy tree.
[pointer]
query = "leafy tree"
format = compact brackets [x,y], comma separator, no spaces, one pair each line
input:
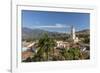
[86,40]
[46,45]
[71,54]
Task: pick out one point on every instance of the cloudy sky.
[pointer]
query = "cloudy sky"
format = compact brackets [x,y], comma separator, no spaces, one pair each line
[55,21]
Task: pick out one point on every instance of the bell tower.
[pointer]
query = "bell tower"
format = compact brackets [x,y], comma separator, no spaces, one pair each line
[73,35]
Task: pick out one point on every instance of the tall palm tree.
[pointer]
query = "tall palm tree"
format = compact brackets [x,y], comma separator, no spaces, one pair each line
[46,45]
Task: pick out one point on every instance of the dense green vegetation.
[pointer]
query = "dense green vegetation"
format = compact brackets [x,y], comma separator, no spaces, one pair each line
[85,38]
[46,51]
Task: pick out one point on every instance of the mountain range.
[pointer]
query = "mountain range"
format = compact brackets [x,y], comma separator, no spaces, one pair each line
[38,33]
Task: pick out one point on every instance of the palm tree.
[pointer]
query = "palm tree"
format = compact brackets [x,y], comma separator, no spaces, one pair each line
[46,45]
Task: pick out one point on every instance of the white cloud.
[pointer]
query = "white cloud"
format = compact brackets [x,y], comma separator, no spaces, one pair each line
[60,25]
[53,26]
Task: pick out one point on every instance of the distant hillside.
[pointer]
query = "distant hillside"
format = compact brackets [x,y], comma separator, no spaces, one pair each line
[28,33]
[38,33]
[31,33]
[85,31]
